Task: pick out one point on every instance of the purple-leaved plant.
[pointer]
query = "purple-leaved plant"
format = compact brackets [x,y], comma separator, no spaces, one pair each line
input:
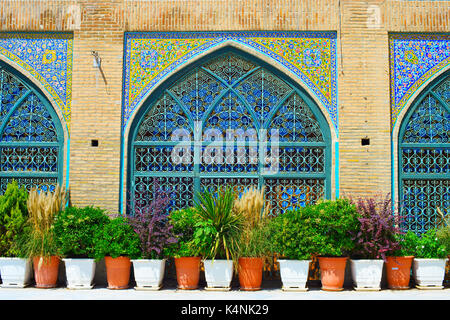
[149,221]
[376,236]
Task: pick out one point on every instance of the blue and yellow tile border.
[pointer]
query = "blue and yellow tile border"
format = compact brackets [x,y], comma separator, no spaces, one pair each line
[414,59]
[149,57]
[48,58]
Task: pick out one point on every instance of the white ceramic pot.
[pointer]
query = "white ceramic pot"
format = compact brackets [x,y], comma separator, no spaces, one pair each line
[366,273]
[15,272]
[79,273]
[294,273]
[148,273]
[429,272]
[218,273]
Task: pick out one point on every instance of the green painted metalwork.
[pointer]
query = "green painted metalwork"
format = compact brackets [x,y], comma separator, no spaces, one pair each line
[31,136]
[424,157]
[225,120]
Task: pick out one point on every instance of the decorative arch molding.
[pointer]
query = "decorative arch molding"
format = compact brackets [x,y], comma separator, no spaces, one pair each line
[46,59]
[309,57]
[34,143]
[415,60]
[224,48]
[420,148]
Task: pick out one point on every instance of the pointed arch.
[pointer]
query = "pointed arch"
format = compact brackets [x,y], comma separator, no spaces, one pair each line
[230,94]
[423,153]
[32,137]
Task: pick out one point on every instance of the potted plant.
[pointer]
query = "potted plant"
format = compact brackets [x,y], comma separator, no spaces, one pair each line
[117,243]
[75,230]
[38,241]
[399,261]
[15,270]
[155,232]
[332,223]
[430,257]
[217,233]
[291,240]
[443,231]
[254,246]
[374,237]
[185,253]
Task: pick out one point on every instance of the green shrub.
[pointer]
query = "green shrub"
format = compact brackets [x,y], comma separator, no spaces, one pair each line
[443,235]
[426,246]
[443,231]
[75,229]
[115,239]
[291,236]
[332,224]
[184,225]
[13,216]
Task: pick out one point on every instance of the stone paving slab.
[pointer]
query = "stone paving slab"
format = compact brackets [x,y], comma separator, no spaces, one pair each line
[102,293]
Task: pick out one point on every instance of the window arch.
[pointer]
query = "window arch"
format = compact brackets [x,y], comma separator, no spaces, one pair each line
[230,119]
[31,136]
[424,157]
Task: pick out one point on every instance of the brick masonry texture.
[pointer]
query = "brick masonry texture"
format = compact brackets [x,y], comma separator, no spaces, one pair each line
[362,28]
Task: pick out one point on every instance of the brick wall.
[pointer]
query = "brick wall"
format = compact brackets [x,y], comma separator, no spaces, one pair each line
[363,66]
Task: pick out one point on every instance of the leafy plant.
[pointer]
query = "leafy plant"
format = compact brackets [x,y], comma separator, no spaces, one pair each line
[75,229]
[291,236]
[332,224]
[150,222]
[13,216]
[219,227]
[117,238]
[38,239]
[443,231]
[255,237]
[184,224]
[426,246]
[377,232]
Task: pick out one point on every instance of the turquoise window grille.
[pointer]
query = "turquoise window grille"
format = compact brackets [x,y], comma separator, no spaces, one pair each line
[31,136]
[230,119]
[424,158]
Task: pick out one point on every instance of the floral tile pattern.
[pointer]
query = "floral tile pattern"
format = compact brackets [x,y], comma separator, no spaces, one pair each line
[150,57]
[48,58]
[414,59]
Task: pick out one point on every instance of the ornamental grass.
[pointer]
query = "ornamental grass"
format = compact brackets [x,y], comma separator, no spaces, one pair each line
[39,239]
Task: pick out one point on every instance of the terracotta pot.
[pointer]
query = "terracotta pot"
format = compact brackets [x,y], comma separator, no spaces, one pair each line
[46,274]
[250,273]
[332,273]
[398,272]
[118,272]
[188,272]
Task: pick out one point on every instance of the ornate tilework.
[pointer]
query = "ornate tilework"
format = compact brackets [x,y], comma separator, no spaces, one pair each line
[48,58]
[150,57]
[414,59]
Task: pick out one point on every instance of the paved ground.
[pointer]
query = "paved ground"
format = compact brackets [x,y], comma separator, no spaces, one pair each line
[102,293]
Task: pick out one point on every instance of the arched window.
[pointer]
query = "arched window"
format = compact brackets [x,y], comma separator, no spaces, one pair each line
[424,157]
[31,137]
[230,120]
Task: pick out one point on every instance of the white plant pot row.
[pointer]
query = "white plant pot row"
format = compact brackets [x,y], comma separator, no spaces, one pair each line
[427,273]
[366,274]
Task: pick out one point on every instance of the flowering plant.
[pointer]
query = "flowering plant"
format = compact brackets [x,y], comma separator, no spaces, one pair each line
[376,234]
[150,222]
[426,246]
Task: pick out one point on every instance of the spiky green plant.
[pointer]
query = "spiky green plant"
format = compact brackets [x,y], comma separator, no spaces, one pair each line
[220,226]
